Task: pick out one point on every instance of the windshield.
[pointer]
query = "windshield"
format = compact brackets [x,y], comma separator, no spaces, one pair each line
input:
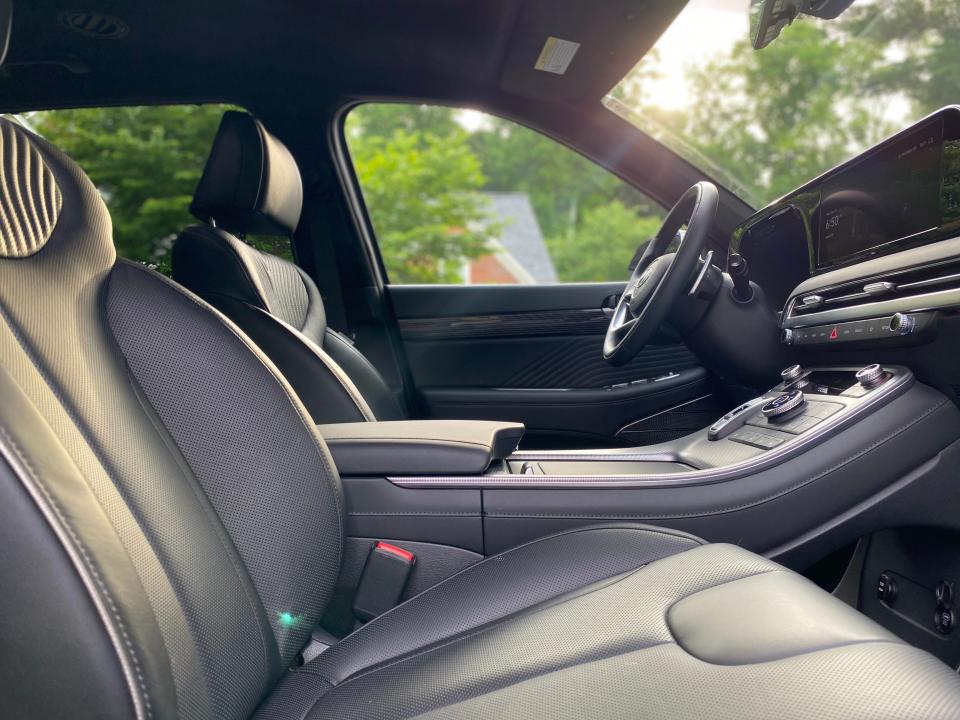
[764,122]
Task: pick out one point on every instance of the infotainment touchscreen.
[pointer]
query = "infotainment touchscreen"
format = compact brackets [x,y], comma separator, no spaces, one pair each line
[902,193]
[888,196]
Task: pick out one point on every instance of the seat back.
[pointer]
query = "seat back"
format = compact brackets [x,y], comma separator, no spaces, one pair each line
[251,185]
[171,520]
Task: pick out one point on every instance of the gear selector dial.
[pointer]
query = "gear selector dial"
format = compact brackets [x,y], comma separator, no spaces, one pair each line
[783,404]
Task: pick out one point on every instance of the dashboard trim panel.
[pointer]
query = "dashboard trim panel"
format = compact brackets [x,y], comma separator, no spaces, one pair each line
[914,303]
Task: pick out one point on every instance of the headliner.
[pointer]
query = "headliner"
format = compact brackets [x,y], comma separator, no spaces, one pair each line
[259,53]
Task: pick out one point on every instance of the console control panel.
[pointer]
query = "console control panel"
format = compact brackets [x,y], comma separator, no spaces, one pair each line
[797,405]
[882,328]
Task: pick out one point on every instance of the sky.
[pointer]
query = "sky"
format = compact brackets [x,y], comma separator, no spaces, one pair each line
[703,28]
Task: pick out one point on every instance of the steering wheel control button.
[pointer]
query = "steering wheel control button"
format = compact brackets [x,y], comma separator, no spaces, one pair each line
[887,588]
[945,620]
[783,404]
[871,376]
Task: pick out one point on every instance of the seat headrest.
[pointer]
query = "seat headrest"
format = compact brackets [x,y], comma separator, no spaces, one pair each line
[30,197]
[251,183]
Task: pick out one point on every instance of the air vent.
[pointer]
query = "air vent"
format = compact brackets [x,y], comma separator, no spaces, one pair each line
[94,25]
[913,289]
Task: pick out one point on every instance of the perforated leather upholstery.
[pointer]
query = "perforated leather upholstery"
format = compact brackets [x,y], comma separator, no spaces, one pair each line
[171,530]
[252,184]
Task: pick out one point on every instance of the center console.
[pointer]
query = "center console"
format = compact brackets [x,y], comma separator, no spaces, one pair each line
[806,407]
[827,455]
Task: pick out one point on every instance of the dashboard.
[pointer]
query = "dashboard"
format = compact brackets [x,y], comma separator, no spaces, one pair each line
[871,239]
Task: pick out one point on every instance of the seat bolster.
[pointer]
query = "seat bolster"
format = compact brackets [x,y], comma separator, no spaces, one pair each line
[62,606]
[210,261]
[364,375]
[326,391]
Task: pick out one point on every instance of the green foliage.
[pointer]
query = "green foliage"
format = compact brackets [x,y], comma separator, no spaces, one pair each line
[562,184]
[419,171]
[145,161]
[776,118]
[383,119]
[605,241]
[421,194]
[927,35]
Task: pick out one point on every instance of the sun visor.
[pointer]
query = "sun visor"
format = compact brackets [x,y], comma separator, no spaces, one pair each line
[576,50]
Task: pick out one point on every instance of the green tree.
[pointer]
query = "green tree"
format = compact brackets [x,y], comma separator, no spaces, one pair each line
[775,118]
[605,240]
[561,183]
[145,161]
[421,195]
[382,119]
[926,36]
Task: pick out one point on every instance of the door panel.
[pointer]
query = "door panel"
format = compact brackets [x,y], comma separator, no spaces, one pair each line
[533,354]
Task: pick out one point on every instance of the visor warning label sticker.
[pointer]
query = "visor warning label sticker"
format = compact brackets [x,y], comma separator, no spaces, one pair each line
[556,55]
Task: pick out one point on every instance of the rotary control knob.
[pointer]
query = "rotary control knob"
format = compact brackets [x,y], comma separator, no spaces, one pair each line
[901,324]
[791,374]
[783,404]
[871,376]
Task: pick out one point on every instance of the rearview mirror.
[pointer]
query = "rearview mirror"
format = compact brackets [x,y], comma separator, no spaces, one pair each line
[768,18]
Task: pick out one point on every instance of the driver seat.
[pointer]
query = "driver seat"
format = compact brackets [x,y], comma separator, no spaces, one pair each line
[251,185]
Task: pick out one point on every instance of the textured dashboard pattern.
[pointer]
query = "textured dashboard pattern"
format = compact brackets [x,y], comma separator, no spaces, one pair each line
[30,200]
[521,324]
[580,364]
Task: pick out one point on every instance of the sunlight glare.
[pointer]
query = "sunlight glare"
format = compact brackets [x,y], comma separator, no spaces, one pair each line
[702,30]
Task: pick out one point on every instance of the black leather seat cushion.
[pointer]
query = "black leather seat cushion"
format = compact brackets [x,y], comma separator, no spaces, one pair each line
[619,621]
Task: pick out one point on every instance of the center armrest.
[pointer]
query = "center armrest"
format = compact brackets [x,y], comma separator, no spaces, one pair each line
[420,447]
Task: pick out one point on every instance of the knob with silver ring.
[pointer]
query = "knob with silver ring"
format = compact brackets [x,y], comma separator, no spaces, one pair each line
[783,404]
[902,324]
[871,375]
[791,374]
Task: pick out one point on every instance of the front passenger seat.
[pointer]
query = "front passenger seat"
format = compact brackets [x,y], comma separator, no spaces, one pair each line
[251,185]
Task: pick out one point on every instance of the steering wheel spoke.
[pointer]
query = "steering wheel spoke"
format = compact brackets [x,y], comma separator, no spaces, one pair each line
[660,278]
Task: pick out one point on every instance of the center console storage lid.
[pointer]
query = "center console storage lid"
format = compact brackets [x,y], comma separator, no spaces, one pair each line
[420,447]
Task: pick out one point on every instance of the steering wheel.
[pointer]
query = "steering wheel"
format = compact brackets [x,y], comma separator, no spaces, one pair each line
[660,277]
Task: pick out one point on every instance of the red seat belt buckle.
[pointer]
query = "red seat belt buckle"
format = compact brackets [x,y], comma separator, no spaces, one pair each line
[383,580]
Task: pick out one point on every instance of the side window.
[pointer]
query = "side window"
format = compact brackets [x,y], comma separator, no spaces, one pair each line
[146,162]
[459,196]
